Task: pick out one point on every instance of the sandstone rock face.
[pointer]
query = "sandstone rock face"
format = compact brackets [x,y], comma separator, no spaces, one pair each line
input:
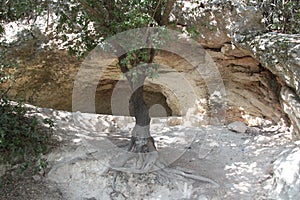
[253,68]
[233,30]
[246,84]
[280,53]
[286,179]
[219,25]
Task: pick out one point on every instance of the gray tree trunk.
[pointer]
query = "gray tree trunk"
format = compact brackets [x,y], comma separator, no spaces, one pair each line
[141,139]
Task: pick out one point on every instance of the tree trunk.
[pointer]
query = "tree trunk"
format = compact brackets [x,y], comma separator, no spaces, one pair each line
[141,140]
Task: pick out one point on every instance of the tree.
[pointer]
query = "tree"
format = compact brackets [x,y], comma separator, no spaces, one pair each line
[111,17]
[107,18]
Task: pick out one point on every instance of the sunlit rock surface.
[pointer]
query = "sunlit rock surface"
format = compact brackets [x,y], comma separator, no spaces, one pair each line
[238,127]
[216,23]
[253,67]
[286,175]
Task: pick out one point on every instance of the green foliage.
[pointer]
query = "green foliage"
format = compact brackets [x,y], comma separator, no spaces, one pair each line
[92,21]
[95,20]
[281,15]
[13,10]
[23,139]
[150,70]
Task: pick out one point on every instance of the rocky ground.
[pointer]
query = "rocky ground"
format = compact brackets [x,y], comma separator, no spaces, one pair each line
[241,163]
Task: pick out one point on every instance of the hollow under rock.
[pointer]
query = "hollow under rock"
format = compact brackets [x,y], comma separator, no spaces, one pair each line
[112,97]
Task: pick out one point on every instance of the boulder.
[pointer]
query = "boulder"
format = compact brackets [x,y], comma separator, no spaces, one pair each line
[238,127]
[286,175]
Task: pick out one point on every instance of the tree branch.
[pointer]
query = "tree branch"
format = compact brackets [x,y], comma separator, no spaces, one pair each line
[167,11]
[95,12]
[151,55]
[157,11]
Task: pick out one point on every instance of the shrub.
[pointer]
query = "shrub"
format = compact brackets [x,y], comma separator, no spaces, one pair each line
[23,138]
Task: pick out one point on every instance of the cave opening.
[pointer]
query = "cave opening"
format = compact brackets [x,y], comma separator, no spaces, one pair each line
[112,98]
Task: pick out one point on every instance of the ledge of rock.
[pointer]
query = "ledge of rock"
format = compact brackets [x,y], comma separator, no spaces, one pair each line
[253,71]
[280,53]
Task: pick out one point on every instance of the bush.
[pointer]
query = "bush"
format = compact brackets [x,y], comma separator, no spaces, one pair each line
[23,138]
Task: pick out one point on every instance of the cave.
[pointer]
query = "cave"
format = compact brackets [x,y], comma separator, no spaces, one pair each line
[258,88]
[112,98]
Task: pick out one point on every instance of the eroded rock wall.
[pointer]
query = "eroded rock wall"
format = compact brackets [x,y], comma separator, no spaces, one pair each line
[252,91]
[44,78]
[261,70]
[255,67]
[280,53]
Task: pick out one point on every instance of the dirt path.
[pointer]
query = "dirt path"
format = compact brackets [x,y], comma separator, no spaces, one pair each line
[239,163]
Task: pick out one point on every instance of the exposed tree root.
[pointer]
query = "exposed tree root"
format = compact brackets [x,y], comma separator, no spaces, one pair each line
[152,163]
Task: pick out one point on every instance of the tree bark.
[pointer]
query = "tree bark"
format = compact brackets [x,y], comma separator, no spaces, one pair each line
[141,139]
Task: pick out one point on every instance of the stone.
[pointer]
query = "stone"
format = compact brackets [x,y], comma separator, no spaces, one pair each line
[290,103]
[239,127]
[262,139]
[4,168]
[36,178]
[174,121]
[286,175]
